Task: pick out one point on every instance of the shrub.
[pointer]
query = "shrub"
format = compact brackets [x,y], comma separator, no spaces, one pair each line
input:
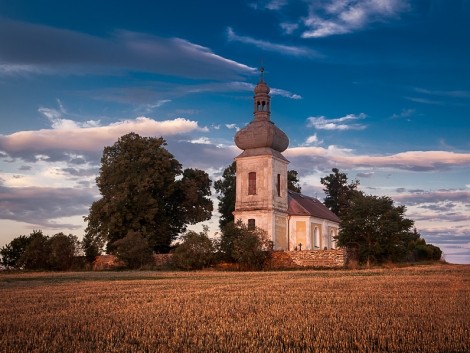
[251,247]
[195,252]
[134,250]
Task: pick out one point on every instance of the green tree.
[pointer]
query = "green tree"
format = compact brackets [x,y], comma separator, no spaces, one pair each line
[225,187]
[133,250]
[421,251]
[12,252]
[36,254]
[62,251]
[195,252]
[91,247]
[338,192]
[145,190]
[377,228]
[293,181]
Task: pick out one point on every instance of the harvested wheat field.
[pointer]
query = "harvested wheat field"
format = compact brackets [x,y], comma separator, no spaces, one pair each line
[413,309]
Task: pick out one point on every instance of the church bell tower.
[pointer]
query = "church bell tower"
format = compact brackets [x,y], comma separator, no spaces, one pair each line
[261,178]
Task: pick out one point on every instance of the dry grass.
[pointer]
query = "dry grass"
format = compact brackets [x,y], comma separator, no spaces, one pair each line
[416,309]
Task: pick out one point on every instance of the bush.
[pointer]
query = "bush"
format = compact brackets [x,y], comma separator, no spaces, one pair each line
[133,250]
[195,252]
[250,248]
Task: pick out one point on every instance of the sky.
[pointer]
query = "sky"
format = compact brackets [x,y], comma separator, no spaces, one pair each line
[379,89]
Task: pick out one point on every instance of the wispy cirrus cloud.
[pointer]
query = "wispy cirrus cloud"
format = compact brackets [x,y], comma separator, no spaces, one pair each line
[269,4]
[444,93]
[326,18]
[404,114]
[438,200]
[273,47]
[344,123]
[32,48]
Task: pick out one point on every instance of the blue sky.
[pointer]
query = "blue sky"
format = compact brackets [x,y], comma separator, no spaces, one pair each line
[377,88]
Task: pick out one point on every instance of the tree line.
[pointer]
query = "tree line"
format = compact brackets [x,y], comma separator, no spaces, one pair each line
[148,200]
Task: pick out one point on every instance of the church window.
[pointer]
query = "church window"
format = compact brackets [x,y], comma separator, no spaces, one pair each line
[278,185]
[252,183]
[251,224]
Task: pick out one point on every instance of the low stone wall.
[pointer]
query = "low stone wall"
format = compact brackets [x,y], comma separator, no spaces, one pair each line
[280,260]
[107,262]
[308,259]
[111,262]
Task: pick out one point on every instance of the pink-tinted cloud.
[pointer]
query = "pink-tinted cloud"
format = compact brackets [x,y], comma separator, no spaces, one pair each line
[67,135]
[410,160]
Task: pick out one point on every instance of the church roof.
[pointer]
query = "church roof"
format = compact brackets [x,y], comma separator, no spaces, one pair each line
[302,205]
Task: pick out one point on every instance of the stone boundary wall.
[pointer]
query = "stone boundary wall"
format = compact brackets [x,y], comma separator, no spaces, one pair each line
[335,258]
[110,262]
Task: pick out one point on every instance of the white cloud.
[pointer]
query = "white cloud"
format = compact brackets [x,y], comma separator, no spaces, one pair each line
[265,45]
[312,140]
[289,28]
[333,17]
[284,93]
[343,123]
[232,126]
[202,141]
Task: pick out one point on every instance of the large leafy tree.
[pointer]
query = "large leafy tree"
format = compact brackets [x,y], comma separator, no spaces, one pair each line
[377,228]
[338,192]
[145,190]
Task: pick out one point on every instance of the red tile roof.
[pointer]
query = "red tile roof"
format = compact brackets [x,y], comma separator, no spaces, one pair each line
[302,205]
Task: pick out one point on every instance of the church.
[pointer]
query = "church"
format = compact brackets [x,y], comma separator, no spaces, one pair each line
[293,221]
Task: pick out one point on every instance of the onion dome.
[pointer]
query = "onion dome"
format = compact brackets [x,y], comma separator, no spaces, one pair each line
[262,132]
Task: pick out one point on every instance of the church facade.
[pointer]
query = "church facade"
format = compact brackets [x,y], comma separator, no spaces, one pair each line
[293,221]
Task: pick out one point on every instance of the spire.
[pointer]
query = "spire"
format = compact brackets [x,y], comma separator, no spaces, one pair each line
[262,108]
[261,133]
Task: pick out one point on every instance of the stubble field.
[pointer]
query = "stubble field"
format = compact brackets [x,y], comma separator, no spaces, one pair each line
[414,309]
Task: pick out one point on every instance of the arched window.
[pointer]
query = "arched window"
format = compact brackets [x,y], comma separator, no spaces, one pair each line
[316,239]
[252,183]
[332,239]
